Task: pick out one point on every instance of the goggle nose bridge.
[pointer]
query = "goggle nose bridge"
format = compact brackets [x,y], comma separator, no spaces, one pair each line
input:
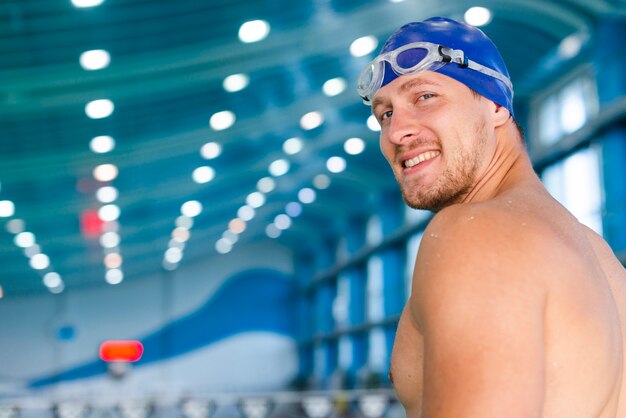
[453,55]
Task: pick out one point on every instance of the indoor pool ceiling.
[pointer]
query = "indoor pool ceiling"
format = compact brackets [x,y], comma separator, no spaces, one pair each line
[165,81]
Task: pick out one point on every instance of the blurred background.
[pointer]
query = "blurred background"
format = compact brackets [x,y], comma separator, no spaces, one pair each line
[195,216]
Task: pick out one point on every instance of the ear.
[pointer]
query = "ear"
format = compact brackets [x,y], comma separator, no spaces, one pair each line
[500,114]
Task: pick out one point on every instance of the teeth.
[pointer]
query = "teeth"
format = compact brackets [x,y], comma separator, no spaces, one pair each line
[421,158]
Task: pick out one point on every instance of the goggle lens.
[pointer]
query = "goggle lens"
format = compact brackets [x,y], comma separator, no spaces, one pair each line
[411,57]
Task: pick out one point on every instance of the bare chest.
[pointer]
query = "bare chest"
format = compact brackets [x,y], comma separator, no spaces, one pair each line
[406,371]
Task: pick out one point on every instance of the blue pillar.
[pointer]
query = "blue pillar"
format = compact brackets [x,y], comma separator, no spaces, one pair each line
[356,315]
[325,294]
[611,81]
[394,262]
[304,273]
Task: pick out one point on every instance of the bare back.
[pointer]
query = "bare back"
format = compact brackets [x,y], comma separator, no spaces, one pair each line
[584,317]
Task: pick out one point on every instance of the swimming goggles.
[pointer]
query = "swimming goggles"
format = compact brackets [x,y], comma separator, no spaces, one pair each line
[415,57]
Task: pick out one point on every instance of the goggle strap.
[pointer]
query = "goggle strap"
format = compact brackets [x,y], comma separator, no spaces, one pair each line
[488,71]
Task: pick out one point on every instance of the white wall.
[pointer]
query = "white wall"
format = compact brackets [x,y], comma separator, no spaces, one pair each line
[249,361]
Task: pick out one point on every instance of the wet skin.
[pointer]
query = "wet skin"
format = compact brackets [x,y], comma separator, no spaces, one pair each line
[517,309]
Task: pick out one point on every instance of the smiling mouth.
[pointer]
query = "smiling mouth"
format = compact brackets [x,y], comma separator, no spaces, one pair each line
[429,155]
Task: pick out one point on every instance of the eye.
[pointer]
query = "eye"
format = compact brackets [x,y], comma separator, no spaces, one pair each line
[426,96]
[386,115]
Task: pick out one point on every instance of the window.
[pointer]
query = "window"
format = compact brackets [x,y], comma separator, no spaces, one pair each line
[412,245]
[565,109]
[576,183]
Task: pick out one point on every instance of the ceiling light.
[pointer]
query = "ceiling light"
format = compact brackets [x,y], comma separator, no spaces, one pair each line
[279,167]
[24,239]
[306,195]
[311,120]
[181,234]
[7,208]
[570,46]
[292,146]
[15,226]
[210,150]
[52,279]
[105,172]
[40,261]
[266,184]
[203,174]
[477,16]
[109,212]
[230,236]
[57,289]
[102,144]
[336,164]
[282,221]
[272,231]
[106,194]
[293,209]
[245,213]
[236,82]
[223,246]
[321,181]
[86,3]
[222,120]
[110,239]
[255,200]
[334,86]
[254,31]
[114,276]
[363,46]
[113,260]
[354,146]
[191,209]
[373,124]
[237,226]
[176,244]
[95,59]
[99,109]
[184,222]
[173,255]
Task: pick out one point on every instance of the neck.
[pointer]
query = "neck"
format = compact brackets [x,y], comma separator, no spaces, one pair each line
[508,167]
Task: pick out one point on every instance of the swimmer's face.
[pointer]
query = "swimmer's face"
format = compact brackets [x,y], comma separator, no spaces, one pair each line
[436,136]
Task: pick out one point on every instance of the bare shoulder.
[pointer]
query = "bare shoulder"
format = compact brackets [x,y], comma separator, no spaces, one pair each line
[479,303]
[488,248]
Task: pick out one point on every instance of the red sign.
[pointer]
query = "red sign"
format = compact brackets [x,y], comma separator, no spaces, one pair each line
[121,350]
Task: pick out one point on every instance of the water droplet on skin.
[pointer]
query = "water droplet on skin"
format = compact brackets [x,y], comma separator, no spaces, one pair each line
[433,235]
[509,201]
[470,218]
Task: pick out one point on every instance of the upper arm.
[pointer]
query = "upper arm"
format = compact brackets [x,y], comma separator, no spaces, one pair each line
[481,309]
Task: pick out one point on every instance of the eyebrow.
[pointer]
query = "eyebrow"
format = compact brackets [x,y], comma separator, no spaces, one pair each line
[409,84]
[405,86]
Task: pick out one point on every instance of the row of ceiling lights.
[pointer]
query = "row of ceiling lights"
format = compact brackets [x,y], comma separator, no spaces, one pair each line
[251,31]
[27,241]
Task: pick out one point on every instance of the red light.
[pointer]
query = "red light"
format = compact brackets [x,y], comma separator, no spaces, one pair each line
[91,224]
[120,350]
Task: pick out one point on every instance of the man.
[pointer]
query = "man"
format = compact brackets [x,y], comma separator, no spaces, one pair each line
[517,309]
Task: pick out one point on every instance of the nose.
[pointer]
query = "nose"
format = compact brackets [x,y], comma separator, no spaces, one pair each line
[403,127]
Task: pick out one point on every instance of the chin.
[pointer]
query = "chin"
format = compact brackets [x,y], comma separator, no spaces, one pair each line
[435,201]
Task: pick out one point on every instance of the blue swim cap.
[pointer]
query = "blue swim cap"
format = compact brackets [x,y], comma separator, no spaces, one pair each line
[456,35]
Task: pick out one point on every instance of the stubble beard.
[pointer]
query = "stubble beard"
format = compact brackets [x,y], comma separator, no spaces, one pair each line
[451,186]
